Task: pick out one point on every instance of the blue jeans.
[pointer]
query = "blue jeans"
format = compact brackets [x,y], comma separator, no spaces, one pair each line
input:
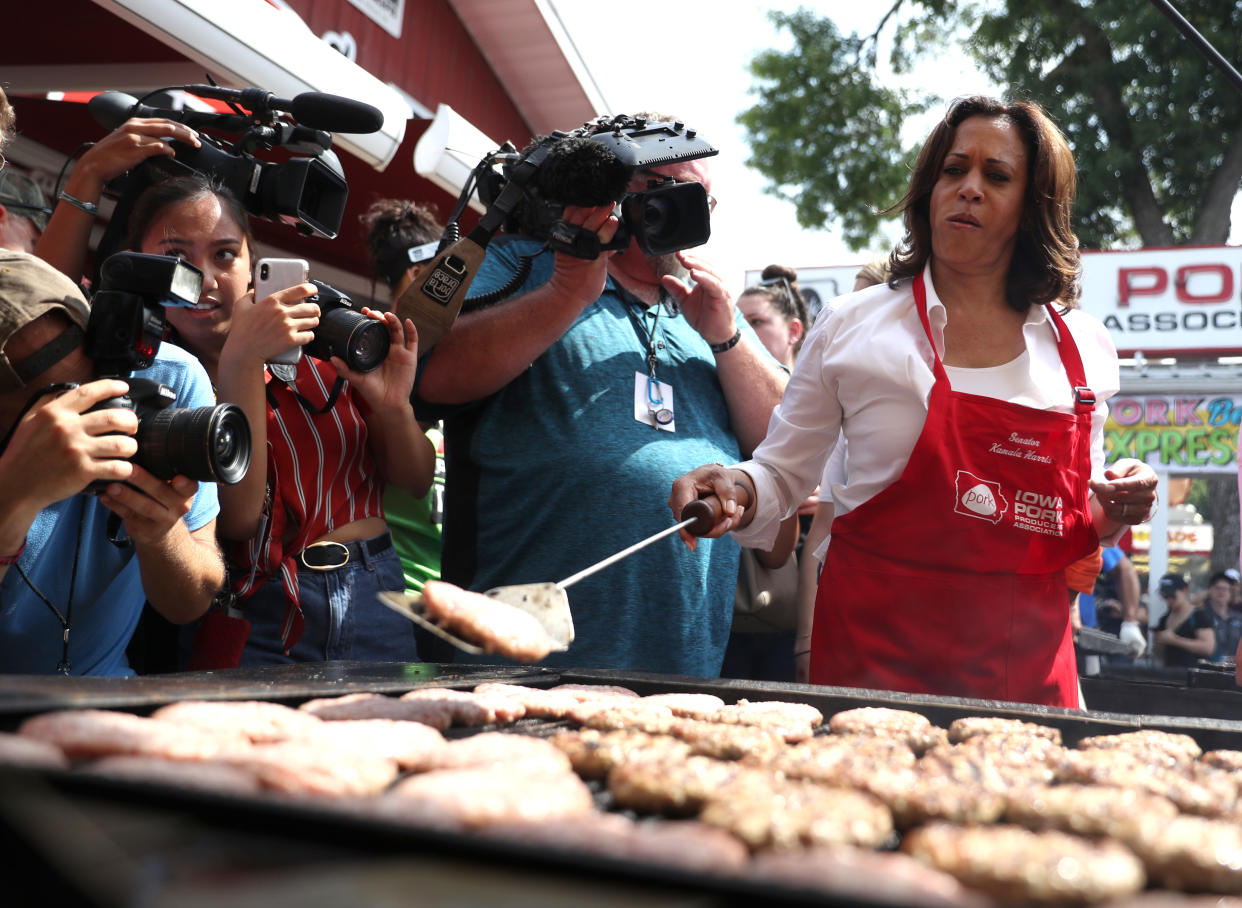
[343,618]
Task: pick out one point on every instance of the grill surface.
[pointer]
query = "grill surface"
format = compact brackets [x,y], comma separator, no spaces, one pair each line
[278,850]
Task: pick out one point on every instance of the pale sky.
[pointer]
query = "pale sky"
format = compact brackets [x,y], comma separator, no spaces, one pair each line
[689,57]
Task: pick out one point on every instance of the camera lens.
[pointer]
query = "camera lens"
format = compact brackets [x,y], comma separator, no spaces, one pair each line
[362,342]
[368,346]
[659,219]
[208,444]
[668,217]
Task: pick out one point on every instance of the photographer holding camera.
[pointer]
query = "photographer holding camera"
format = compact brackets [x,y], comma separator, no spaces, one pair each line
[70,596]
[581,397]
[310,544]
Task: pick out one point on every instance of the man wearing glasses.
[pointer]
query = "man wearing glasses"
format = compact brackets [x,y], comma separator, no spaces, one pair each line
[575,398]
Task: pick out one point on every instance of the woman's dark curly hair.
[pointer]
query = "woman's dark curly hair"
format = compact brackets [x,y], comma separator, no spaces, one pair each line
[393,226]
[1045,264]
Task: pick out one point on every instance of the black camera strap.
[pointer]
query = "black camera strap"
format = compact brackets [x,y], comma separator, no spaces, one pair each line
[51,353]
[337,387]
[66,620]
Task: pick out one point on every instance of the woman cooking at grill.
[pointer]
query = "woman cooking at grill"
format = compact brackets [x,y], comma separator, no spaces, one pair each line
[971,391]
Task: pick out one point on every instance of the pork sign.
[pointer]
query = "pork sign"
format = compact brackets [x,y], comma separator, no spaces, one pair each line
[1176,301]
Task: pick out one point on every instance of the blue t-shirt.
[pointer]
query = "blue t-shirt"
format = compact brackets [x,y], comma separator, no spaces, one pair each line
[553,473]
[107,589]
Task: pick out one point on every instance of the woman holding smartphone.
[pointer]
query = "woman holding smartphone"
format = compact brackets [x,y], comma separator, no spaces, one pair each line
[305,533]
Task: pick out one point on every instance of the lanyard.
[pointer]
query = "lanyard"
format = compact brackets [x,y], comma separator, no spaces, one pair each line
[66,619]
[648,338]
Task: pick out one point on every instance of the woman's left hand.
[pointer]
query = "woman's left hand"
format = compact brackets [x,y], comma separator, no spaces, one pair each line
[1128,491]
[393,382]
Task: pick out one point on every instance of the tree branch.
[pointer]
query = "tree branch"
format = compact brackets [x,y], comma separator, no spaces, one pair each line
[875,35]
[1111,108]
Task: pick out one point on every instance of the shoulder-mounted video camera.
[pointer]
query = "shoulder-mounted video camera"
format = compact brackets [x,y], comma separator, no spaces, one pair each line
[527,193]
[307,191]
[126,327]
[595,165]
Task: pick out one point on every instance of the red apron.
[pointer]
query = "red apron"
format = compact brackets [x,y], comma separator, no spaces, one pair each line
[951,581]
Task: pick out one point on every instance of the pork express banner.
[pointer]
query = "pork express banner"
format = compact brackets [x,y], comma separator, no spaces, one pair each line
[1181,433]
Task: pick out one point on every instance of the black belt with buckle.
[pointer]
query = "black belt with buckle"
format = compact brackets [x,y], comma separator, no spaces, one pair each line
[331,556]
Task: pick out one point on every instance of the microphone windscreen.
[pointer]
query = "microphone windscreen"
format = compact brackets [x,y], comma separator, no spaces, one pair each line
[581,171]
[112,108]
[332,113]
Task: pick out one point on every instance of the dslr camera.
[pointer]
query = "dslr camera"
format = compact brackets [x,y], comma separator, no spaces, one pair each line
[343,331]
[124,332]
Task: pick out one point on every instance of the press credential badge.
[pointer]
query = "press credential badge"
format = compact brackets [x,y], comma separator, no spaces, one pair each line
[653,402]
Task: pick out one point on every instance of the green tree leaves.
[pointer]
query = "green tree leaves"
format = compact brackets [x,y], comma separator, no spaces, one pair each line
[1155,128]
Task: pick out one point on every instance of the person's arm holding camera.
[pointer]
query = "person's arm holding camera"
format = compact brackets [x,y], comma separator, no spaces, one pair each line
[66,239]
[489,348]
[260,330]
[405,455]
[56,450]
[751,380]
[181,569]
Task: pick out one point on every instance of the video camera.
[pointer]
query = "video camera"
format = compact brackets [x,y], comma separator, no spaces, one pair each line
[307,192]
[124,332]
[594,165]
[589,166]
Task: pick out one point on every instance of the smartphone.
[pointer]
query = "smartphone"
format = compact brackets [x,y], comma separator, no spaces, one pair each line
[275,274]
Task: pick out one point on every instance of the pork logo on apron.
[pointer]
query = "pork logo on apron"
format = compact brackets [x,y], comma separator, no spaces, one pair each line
[979,498]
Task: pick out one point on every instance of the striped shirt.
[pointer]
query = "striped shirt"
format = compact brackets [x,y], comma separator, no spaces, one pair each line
[320,476]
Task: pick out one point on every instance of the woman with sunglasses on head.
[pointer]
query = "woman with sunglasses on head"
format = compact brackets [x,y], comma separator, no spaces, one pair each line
[971,393]
[310,545]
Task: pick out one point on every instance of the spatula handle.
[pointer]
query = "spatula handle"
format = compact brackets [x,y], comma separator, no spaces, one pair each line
[706,512]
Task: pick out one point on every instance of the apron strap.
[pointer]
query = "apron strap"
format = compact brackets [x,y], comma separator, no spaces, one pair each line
[1084,397]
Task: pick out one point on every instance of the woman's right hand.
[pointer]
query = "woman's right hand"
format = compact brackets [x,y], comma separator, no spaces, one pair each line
[265,328]
[712,479]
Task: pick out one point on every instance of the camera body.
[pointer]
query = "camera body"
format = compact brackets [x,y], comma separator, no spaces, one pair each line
[362,342]
[345,332]
[305,193]
[207,444]
[126,327]
[594,165]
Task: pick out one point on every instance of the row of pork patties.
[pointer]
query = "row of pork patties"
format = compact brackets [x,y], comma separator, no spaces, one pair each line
[988,808]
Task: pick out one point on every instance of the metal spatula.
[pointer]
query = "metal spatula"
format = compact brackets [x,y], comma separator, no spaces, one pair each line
[547,601]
